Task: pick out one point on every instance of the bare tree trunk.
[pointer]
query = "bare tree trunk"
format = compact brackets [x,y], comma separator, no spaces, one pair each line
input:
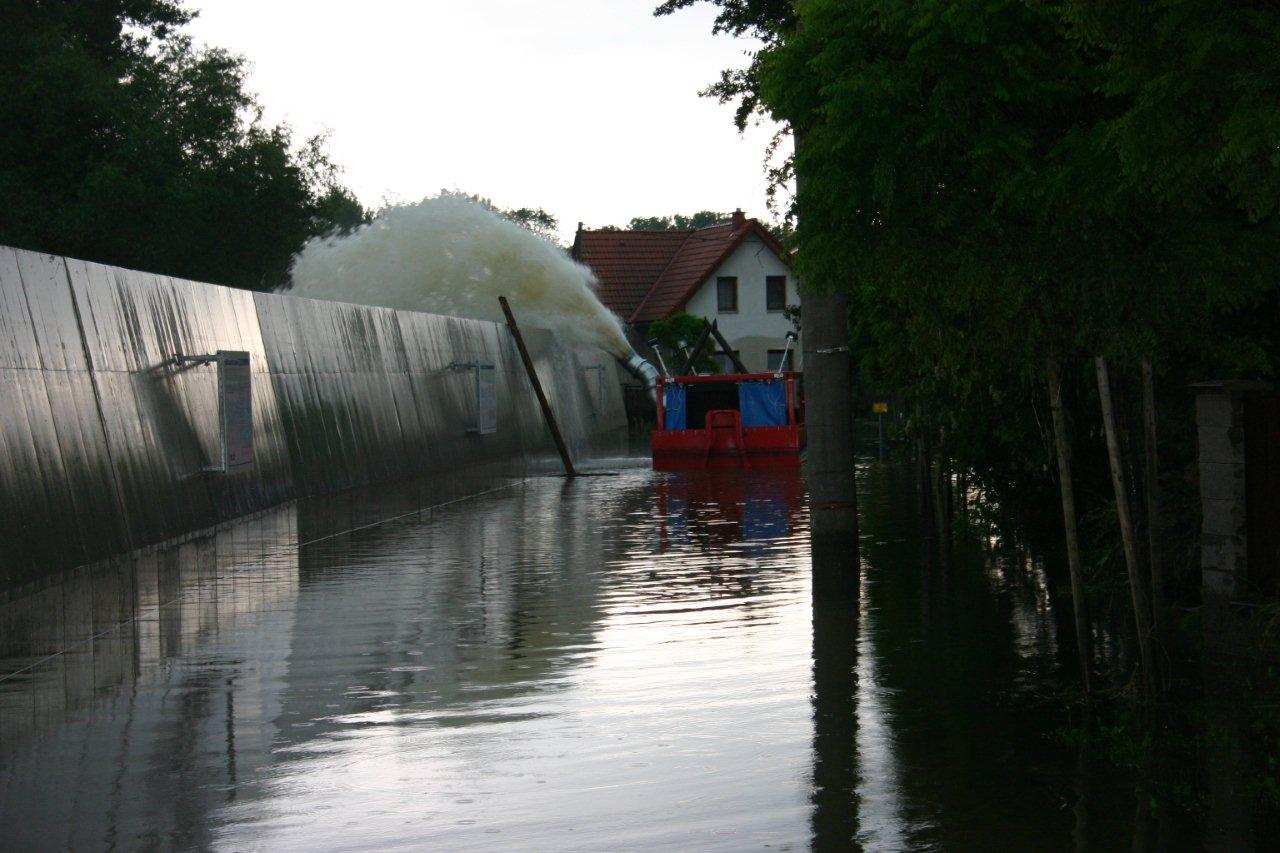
[1137,586]
[928,521]
[942,517]
[948,488]
[1152,483]
[1066,486]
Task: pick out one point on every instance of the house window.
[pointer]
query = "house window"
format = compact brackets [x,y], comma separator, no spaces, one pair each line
[725,363]
[727,294]
[775,292]
[776,360]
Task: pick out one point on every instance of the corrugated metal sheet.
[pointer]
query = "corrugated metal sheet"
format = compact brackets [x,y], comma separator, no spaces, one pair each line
[103,439]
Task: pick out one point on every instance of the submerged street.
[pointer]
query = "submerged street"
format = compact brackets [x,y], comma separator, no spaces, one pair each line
[613,662]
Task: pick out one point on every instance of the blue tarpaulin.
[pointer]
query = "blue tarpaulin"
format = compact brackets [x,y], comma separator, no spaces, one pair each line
[673,402]
[763,403]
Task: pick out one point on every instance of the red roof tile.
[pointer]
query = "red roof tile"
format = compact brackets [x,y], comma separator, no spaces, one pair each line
[648,275]
[627,263]
[698,257]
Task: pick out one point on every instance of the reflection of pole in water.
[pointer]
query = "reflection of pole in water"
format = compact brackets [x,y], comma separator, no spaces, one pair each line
[835,681]
[856,780]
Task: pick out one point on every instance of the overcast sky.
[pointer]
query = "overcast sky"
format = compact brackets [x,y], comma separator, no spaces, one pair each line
[588,108]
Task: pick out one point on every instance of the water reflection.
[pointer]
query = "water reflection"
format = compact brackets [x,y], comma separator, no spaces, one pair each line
[637,660]
[557,647]
[837,611]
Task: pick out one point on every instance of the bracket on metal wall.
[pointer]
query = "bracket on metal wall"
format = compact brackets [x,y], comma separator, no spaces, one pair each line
[235,407]
[196,359]
[486,422]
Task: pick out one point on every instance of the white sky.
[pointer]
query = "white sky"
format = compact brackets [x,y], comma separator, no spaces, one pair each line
[588,108]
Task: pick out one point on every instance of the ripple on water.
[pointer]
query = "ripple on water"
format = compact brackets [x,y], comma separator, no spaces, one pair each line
[606,663]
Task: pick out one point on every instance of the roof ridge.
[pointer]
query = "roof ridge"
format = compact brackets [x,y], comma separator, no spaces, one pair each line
[732,239]
[661,273]
[645,231]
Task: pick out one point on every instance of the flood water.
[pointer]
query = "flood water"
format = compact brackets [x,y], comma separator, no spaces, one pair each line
[613,662]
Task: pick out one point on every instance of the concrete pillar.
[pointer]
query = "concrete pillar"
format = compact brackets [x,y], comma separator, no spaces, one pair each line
[829,436]
[828,389]
[1224,532]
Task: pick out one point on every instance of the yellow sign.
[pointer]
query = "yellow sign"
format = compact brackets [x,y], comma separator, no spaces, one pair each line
[880,408]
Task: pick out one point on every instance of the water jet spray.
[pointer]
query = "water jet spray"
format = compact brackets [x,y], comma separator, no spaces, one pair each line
[449,255]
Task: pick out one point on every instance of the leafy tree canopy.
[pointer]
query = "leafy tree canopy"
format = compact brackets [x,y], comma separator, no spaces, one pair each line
[678,221]
[678,332]
[128,145]
[534,219]
[994,181]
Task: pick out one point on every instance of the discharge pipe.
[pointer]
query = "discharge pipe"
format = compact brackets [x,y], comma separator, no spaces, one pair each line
[643,370]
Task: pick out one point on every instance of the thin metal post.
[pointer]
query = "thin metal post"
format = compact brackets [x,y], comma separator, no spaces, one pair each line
[547,414]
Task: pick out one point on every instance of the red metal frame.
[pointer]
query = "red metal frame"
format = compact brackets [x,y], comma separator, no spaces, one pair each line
[724,442]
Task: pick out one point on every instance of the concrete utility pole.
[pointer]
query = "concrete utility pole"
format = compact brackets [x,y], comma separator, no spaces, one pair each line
[828,391]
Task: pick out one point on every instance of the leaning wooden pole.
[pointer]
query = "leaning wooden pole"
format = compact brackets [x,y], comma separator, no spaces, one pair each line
[1084,648]
[547,415]
[1137,585]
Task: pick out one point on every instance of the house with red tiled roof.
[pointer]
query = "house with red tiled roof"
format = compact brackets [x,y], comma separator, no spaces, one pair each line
[735,272]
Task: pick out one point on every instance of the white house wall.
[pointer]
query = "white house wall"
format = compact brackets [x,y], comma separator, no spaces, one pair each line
[753,330]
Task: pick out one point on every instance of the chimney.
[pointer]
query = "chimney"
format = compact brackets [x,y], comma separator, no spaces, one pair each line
[579,226]
[739,220]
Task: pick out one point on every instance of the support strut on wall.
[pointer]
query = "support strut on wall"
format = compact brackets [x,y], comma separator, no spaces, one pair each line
[235,407]
[547,414]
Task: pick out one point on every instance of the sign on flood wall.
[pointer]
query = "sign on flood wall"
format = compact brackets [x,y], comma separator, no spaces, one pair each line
[111,432]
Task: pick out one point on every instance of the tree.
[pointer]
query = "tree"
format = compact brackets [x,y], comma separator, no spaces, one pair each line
[678,222]
[534,219]
[137,149]
[766,20]
[676,334]
[1006,191]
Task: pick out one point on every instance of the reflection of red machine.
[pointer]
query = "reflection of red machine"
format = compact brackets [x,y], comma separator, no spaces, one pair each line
[758,506]
[739,420]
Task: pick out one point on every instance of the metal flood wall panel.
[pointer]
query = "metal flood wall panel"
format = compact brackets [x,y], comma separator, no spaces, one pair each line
[103,440]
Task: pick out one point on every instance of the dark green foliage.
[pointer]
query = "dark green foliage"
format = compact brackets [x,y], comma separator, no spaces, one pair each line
[677,331]
[767,20]
[124,144]
[677,221]
[997,181]
[993,181]
[534,219]
[701,219]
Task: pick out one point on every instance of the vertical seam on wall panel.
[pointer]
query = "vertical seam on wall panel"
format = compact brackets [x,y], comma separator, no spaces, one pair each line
[97,402]
[389,384]
[44,368]
[26,414]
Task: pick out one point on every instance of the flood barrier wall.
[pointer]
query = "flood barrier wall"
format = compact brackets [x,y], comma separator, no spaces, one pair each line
[105,438]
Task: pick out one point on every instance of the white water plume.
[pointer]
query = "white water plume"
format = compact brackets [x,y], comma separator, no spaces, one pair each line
[449,255]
